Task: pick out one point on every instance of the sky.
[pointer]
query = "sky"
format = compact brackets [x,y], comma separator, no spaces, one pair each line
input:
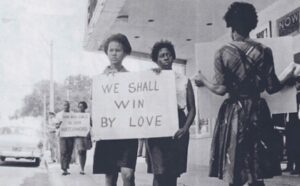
[27,28]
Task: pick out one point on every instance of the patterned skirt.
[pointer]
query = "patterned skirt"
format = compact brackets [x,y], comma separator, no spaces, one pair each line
[241,149]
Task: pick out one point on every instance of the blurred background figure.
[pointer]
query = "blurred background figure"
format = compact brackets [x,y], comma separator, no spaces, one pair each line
[82,144]
[66,144]
[291,141]
[279,122]
[52,137]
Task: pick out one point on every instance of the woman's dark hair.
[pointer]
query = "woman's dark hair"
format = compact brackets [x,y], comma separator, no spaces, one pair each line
[120,38]
[159,45]
[84,104]
[241,17]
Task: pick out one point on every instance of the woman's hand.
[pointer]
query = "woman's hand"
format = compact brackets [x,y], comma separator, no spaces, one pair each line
[199,78]
[181,132]
[156,70]
[291,70]
[287,73]
[297,70]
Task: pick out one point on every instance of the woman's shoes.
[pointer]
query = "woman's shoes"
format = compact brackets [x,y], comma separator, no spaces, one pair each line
[65,173]
[82,173]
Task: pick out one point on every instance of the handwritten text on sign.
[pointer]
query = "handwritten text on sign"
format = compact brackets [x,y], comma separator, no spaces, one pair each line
[134,105]
[75,124]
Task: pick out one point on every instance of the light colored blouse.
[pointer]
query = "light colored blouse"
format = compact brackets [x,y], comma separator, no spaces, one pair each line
[181,87]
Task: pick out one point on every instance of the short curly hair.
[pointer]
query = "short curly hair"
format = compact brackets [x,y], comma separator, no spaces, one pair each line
[84,104]
[120,38]
[241,17]
[159,45]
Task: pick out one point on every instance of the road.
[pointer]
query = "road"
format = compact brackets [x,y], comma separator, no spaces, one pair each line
[22,173]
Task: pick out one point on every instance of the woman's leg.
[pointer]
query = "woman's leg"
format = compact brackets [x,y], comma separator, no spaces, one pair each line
[234,184]
[157,180]
[164,180]
[127,176]
[111,179]
[170,180]
[257,183]
[82,159]
[63,157]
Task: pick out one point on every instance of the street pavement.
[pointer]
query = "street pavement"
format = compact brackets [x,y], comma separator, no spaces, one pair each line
[22,173]
[195,176]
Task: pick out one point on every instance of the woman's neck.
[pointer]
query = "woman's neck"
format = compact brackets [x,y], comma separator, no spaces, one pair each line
[116,66]
[239,37]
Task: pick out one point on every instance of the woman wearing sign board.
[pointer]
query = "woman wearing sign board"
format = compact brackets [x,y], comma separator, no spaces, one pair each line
[167,156]
[114,156]
[66,144]
[242,140]
[82,144]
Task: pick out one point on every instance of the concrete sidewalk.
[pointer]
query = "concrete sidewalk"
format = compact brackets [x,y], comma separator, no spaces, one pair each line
[195,176]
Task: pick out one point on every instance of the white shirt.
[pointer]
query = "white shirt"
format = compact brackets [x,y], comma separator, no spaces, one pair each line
[181,87]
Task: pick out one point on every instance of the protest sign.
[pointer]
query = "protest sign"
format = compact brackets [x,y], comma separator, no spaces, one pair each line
[75,124]
[134,105]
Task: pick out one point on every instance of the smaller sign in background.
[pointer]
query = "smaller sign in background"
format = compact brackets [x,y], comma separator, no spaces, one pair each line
[75,124]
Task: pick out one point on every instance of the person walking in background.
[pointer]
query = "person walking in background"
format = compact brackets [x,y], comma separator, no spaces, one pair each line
[114,156]
[52,137]
[292,140]
[295,139]
[278,121]
[82,144]
[167,156]
[66,144]
[243,134]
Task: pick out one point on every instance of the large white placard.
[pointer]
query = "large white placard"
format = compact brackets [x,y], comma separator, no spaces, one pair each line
[75,124]
[281,102]
[134,105]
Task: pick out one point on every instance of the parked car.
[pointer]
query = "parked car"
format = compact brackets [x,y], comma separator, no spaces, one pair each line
[21,142]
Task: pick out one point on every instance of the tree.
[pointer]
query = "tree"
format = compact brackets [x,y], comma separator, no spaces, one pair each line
[33,104]
[79,87]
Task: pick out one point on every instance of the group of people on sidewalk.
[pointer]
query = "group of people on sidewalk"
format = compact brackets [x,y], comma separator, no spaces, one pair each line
[64,149]
[243,137]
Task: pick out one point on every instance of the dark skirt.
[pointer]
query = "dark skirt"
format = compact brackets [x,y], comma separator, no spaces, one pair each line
[167,155]
[111,155]
[83,143]
[241,149]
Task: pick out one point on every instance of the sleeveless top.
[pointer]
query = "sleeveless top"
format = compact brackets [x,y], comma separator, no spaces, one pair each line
[181,82]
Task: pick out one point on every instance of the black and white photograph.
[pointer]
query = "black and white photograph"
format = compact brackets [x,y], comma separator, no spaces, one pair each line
[150,92]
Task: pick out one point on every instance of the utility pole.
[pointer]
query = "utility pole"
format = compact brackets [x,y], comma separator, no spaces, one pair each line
[68,88]
[45,123]
[51,93]
[44,113]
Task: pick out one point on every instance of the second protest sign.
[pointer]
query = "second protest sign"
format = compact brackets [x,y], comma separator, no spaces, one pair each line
[75,124]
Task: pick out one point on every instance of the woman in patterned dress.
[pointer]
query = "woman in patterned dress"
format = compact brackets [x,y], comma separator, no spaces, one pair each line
[241,150]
